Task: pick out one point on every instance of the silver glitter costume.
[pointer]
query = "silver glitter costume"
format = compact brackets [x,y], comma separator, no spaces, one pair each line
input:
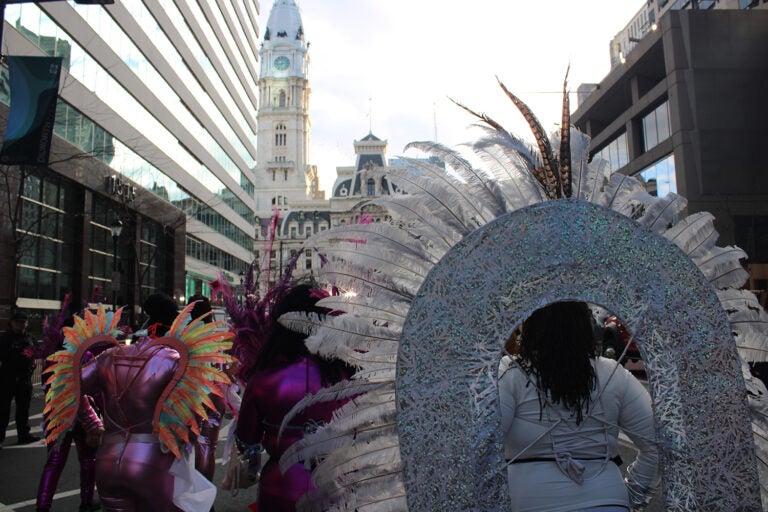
[471,253]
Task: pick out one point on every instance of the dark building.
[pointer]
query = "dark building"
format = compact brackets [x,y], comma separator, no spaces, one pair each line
[686,112]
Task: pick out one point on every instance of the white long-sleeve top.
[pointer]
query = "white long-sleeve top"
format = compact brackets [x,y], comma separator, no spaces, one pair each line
[576,471]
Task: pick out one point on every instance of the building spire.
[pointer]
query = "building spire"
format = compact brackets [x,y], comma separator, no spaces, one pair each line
[370,115]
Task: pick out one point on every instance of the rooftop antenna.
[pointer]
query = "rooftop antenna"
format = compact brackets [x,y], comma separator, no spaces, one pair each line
[370,115]
[434,119]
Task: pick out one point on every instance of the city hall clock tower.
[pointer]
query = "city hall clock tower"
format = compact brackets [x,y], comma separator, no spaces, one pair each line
[283,174]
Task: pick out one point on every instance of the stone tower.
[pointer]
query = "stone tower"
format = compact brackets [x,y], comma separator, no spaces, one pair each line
[283,174]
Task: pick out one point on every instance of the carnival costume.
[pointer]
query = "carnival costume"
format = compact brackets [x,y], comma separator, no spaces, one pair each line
[276,382]
[88,421]
[557,465]
[471,253]
[154,392]
[270,395]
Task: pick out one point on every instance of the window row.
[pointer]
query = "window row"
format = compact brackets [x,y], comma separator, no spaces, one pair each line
[656,126]
[274,176]
[615,154]
[196,248]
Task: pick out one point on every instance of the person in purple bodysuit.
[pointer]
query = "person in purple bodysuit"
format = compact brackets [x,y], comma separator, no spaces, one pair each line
[85,434]
[132,471]
[284,373]
[88,421]
[205,447]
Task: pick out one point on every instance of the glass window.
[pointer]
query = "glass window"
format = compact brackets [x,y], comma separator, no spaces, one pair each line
[32,187]
[47,282]
[660,177]
[656,126]
[27,282]
[371,187]
[50,193]
[662,122]
[615,153]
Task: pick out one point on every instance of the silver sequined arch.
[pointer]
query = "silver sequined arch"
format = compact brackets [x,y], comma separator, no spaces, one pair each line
[447,399]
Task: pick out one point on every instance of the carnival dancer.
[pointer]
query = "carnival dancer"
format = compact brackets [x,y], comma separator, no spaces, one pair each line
[561,411]
[469,252]
[205,446]
[154,391]
[88,421]
[284,374]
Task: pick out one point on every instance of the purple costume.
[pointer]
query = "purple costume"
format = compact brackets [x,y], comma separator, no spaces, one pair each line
[270,394]
[87,420]
[205,447]
[132,472]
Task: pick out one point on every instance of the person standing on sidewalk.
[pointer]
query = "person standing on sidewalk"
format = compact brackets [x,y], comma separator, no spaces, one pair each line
[17,363]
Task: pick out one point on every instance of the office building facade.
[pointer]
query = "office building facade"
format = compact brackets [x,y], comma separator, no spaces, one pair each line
[160,98]
[685,112]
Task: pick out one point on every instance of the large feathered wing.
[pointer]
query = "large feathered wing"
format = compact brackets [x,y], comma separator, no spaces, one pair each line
[198,374]
[357,453]
[62,396]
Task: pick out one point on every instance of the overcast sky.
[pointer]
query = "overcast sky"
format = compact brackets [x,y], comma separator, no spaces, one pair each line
[400,61]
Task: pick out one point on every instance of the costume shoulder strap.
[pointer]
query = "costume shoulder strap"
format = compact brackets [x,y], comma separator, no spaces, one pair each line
[200,348]
[63,394]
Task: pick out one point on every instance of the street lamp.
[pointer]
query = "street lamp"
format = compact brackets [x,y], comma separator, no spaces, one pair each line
[116,228]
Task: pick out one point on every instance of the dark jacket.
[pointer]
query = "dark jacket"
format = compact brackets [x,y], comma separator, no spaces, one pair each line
[17,353]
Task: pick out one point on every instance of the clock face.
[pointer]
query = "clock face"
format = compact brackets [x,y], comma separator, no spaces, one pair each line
[281,63]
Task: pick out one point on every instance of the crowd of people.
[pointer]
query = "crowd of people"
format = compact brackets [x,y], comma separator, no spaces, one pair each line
[118,449]
[562,406]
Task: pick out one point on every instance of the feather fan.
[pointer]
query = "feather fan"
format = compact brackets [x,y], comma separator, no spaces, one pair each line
[723,268]
[749,322]
[695,234]
[488,195]
[358,465]
[62,395]
[202,351]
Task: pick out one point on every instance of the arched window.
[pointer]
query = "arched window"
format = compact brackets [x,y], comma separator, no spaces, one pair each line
[281,101]
[371,186]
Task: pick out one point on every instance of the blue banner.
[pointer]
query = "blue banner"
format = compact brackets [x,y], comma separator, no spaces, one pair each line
[34,91]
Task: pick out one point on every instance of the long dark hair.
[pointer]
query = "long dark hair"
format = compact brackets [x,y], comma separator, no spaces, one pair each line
[288,345]
[558,342]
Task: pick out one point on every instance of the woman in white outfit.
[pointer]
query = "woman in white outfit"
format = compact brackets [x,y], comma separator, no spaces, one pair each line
[561,411]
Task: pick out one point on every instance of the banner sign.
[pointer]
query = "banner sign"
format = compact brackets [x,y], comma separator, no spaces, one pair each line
[34,91]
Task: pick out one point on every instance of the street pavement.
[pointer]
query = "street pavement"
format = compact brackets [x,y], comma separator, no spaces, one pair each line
[21,466]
